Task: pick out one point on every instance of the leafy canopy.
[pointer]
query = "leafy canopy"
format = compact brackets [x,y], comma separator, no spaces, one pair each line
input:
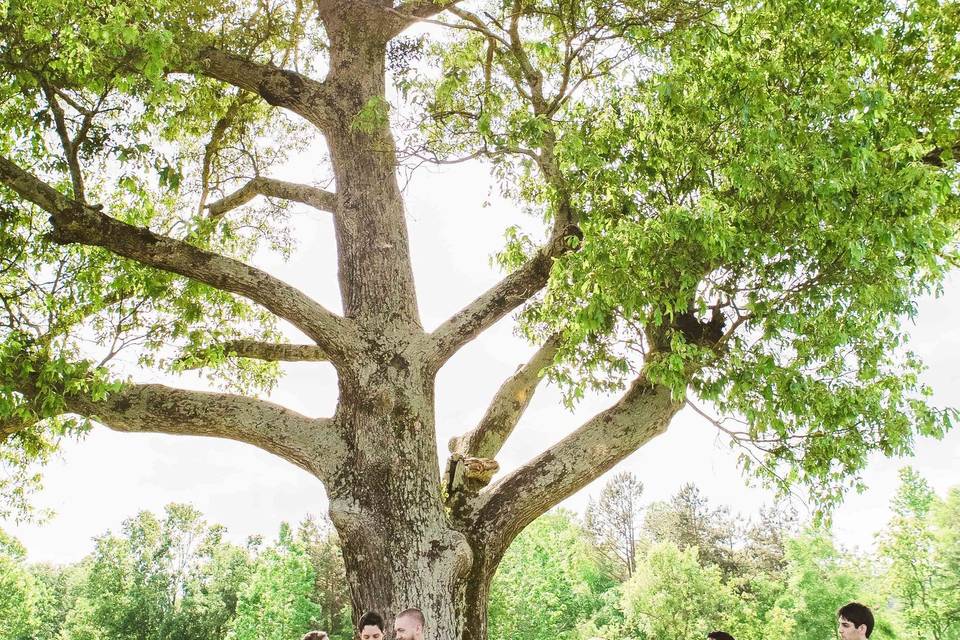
[761,191]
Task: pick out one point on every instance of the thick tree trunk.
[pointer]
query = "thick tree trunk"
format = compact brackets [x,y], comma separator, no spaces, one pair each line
[399,547]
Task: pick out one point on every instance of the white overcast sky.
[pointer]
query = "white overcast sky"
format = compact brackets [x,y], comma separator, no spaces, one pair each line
[98,482]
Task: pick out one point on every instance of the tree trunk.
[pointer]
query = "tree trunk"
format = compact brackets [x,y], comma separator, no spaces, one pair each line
[399,547]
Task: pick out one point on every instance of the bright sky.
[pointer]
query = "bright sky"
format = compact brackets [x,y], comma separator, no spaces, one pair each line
[108,476]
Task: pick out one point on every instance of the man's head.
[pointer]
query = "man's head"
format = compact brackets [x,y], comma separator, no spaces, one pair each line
[854,621]
[315,635]
[719,635]
[370,626]
[409,624]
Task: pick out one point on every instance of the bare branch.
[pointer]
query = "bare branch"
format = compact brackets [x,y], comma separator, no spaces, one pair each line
[507,506]
[501,299]
[216,142]
[74,222]
[479,26]
[153,408]
[508,405]
[69,148]
[260,186]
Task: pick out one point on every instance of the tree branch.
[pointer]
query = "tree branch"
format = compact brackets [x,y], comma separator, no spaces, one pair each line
[501,299]
[509,505]
[217,136]
[260,186]
[425,8]
[153,408]
[411,11]
[75,222]
[290,90]
[275,352]
[508,405]
[69,148]
[935,157]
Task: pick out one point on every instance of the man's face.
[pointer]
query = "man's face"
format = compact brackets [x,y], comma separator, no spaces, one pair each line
[371,632]
[407,628]
[849,631]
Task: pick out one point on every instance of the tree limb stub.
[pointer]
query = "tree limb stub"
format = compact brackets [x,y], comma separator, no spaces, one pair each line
[507,506]
[506,408]
[271,188]
[74,222]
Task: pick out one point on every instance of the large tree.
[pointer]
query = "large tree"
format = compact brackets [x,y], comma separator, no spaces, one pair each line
[741,202]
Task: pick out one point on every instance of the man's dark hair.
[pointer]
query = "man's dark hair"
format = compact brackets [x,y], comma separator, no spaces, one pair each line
[858,614]
[315,635]
[370,619]
[719,635]
[414,613]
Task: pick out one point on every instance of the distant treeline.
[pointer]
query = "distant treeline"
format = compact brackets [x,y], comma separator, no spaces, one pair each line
[663,571]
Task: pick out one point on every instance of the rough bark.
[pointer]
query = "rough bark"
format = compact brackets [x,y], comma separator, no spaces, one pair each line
[512,503]
[311,444]
[308,98]
[275,352]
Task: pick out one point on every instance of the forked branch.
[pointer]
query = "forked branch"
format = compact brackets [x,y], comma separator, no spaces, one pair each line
[290,90]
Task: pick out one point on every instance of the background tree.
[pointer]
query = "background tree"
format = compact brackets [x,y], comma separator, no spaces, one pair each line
[614,520]
[688,520]
[551,580]
[673,596]
[919,551]
[553,583]
[171,579]
[331,592]
[725,219]
[276,602]
[947,522]
[18,596]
